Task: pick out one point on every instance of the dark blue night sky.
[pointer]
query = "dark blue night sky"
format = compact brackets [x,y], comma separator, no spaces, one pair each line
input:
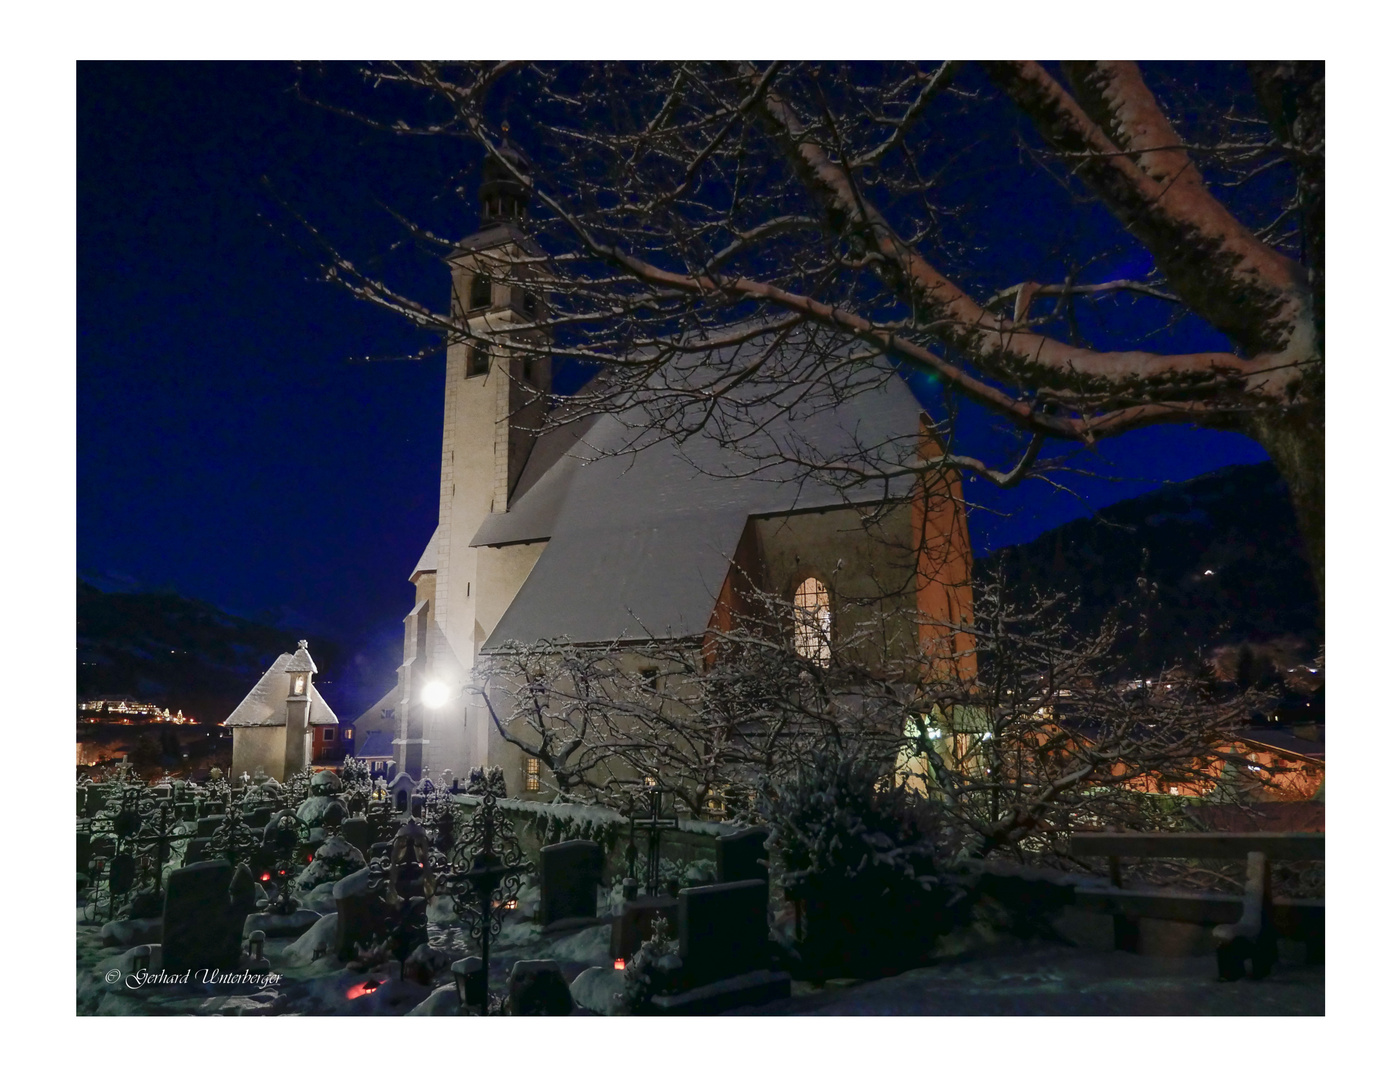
[232,445]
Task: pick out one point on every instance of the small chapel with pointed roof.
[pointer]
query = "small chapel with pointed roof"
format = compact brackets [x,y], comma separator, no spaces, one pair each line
[283,724]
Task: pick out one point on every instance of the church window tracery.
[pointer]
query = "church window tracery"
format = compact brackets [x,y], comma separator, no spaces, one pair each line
[812,611]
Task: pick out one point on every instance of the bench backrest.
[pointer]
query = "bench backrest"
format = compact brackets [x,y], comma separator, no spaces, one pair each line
[1183,845]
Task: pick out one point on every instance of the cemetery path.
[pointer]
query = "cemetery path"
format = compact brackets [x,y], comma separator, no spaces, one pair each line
[1057,980]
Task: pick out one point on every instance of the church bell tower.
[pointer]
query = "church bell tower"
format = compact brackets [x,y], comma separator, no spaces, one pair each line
[498,377]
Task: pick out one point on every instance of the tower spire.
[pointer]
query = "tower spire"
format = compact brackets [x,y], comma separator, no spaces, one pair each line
[502,195]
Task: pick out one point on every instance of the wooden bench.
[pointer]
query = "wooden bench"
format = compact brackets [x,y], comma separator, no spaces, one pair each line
[1246,928]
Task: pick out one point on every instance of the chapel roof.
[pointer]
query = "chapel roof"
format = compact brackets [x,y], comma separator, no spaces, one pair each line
[265,705]
[640,540]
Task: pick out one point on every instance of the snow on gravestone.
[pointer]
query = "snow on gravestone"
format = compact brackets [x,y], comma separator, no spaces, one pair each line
[723,930]
[740,856]
[205,907]
[569,874]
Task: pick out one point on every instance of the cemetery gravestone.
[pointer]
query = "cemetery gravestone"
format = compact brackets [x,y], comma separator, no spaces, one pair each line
[357,831]
[205,826]
[194,850]
[538,988]
[362,914]
[206,905]
[569,874]
[723,930]
[741,856]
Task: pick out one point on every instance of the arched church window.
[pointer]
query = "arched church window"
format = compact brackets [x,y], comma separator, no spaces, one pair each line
[480,292]
[477,360]
[812,610]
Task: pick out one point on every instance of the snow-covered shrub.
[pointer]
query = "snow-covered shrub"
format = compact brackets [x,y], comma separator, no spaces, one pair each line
[335,859]
[489,780]
[556,828]
[650,971]
[311,811]
[857,855]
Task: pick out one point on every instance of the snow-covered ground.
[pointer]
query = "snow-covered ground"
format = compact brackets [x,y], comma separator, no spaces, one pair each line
[326,987]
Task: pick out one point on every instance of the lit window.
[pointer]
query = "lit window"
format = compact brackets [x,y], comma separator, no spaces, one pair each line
[480,292]
[813,621]
[531,774]
[300,687]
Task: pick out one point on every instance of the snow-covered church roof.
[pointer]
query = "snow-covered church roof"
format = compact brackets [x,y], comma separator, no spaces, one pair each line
[265,705]
[639,543]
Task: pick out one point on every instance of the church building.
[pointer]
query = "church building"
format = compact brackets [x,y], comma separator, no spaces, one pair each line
[553,528]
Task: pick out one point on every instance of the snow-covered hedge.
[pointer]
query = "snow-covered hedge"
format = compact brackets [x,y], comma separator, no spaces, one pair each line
[541,823]
[859,858]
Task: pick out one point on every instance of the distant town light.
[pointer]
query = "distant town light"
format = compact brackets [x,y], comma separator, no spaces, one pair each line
[435,694]
[1208,573]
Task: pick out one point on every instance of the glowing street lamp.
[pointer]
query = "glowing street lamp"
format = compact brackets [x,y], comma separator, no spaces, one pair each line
[435,694]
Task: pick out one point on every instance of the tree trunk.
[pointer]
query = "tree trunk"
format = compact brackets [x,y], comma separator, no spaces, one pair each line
[1295,441]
